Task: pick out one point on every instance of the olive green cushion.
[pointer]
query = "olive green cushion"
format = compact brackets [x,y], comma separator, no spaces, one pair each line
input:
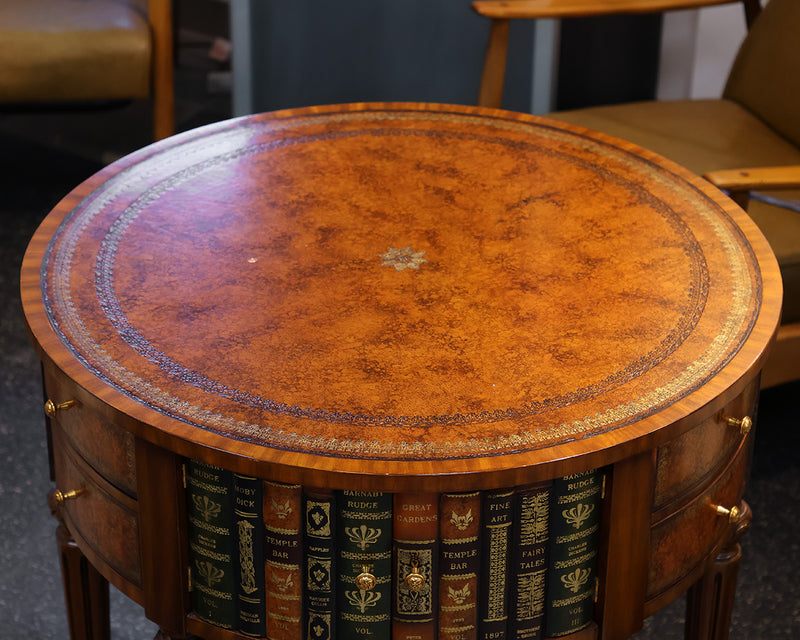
[765,77]
[73,50]
[707,135]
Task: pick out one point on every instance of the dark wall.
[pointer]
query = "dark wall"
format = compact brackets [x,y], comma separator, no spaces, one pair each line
[308,52]
[608,60]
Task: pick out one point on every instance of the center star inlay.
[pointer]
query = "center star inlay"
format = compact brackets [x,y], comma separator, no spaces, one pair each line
[401,259]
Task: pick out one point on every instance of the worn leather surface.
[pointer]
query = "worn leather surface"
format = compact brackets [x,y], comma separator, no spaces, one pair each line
[408,283]
[706,135]
[72,50]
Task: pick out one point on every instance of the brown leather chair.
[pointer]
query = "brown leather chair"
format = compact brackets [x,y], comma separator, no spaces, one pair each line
[749,139]
[68,52]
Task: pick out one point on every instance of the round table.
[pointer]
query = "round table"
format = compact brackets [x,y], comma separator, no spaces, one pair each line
[401,298]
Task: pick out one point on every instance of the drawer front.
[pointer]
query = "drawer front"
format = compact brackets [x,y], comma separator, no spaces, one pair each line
[683,541]
[691,461]
[102,520]
[109,449]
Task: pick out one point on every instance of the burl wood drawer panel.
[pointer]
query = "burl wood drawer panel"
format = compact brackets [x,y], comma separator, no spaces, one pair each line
[681,542]
[109,449]
[689,462]
[101,518]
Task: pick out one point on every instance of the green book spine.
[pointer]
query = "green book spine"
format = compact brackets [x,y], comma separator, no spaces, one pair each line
[209,505]
[575,524]
[283,559]
[529,561]
[496,520]
[459,564]
[319,521]
[249,528]
[364,539]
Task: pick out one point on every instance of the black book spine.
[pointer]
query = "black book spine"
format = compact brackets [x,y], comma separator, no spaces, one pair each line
[319,562]
[249,530]
[493,601]
[364,543]
[529,565]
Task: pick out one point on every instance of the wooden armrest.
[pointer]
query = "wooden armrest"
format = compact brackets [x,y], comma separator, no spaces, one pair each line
[514,9]
[740,182]
[736,180]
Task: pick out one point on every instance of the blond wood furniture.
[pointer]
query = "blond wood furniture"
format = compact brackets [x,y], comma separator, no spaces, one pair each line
[501,12]
[76,52]
[401,297]
[751,128]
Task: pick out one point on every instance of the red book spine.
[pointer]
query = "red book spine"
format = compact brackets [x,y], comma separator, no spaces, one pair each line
[416,537]
[283,556]
[459,529]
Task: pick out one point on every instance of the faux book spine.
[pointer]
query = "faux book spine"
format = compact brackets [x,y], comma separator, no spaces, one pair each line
[209,503]
[497,518]
[574,528]
[459,529]
[364,538]
[529,561]
[416,558]
[249,534]
[283,551]
[319,518]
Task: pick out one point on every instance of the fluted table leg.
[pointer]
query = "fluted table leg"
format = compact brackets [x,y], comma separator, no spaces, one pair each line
[85,592]
[709,603]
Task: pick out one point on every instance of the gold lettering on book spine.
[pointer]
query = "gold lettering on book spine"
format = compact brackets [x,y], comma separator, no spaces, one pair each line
[246,561]
[498,560]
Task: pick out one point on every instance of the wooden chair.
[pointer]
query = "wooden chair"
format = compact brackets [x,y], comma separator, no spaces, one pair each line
[87,52]
[747,142]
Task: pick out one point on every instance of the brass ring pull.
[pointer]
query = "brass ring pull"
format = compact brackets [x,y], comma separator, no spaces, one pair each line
[733,513]
[415,581]
[51,408]
[365,581]
[743,424]
[60,497]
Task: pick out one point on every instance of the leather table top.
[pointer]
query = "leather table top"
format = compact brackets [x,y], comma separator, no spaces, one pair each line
[403,283]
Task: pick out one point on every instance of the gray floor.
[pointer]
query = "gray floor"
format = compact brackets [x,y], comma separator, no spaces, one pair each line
[41,158]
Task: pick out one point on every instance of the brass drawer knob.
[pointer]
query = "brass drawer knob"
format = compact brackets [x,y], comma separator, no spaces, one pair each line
[743,424]
[365,581]
[733,513]
[415,581]
[61,497]
[51,408]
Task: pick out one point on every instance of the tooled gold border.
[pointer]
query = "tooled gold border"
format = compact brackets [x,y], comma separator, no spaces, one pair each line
[68,324]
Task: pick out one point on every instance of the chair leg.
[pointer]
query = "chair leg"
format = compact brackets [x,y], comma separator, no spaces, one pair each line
[85,592]
[494,66]
[163,117]
[163,80]
[709,603]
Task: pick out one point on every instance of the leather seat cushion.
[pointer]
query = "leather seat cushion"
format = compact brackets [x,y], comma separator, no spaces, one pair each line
[72,50]
[707,135]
